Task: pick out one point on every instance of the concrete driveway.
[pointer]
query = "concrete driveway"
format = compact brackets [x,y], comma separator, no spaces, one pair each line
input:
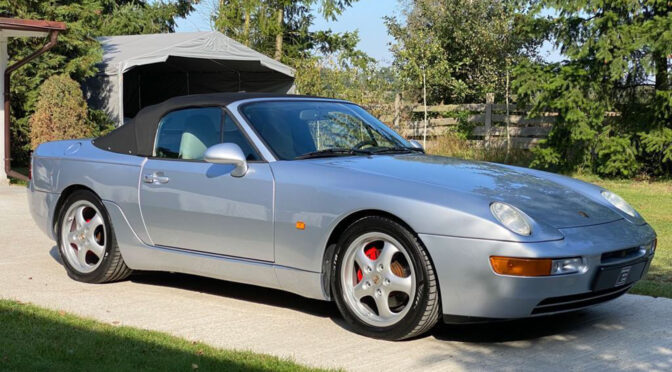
[631,333]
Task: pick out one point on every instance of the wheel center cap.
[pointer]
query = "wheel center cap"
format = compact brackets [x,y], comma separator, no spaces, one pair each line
[376,279]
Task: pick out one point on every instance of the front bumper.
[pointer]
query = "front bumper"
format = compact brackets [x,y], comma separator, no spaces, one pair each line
[471,290]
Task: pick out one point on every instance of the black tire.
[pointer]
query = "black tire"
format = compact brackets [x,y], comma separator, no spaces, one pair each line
[112,268]
[425,306]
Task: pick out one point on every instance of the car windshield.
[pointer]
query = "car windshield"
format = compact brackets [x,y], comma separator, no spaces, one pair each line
[307,129]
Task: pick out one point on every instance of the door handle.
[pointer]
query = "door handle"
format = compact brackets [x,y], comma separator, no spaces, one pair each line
[156,178]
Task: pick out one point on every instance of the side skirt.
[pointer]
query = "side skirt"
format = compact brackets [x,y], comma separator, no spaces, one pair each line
[140,256]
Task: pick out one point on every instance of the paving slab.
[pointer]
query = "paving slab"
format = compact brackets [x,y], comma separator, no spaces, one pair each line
[632,333]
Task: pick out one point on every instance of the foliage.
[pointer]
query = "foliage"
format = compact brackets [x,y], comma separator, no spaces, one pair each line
[37,339]
[60,112]
[617,65]
[281,28]
[463,48]
[658,143]
[464,126]
[342,71]
[616,157]
[454,144]
[77,51]
[327,64]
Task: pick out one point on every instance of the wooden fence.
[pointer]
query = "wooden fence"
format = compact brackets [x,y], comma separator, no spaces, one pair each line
[487,122]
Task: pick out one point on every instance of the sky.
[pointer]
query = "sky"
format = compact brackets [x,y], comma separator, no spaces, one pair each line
[365,16]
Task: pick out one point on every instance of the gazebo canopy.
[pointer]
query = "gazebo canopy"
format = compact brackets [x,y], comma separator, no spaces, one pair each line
[142,70]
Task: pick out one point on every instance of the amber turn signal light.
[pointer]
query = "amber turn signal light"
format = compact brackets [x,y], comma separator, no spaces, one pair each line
[521,266]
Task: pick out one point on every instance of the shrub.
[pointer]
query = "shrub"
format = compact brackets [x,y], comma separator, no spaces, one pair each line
[616,157]
[454,145]
[61,112]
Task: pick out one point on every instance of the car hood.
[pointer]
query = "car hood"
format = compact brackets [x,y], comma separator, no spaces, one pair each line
[544,200]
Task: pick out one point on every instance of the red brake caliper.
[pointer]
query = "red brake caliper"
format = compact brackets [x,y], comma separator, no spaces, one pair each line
[372,253]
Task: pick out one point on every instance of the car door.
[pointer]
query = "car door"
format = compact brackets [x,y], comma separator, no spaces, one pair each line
[190,204]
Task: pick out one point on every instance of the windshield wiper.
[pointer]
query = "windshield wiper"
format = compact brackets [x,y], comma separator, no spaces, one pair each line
[333,152]
[395,149]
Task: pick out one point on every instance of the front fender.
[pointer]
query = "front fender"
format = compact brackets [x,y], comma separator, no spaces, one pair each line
[321,197]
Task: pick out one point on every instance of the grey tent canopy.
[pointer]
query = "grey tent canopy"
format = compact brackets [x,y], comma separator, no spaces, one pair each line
[141,70]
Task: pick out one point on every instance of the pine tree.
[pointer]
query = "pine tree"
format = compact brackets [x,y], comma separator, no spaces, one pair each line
[617,61]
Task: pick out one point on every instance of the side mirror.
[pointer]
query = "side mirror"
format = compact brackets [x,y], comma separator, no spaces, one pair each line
[227,153]
[416,144]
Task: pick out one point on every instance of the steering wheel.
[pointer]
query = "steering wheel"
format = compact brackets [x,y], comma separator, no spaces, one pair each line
[361,144]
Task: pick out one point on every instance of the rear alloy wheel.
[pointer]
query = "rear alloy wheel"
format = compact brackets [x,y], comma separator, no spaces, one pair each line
[86,242]
[84,235]
[384,284]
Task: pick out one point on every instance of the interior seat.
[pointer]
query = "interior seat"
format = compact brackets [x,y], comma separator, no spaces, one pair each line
[232,134]
[199,134]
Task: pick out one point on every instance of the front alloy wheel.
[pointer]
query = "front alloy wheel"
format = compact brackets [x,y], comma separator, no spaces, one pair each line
[377,279]
[384,283]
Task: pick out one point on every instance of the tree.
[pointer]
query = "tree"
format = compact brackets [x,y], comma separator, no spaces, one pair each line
[330,9]
[60,113]
[327,63]
[77,51]
[234,18]
[464,48]
[617,56]
[280,28]
[355,78]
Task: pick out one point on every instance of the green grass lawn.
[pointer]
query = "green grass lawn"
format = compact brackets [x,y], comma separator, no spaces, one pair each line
[36,339]
[653,200]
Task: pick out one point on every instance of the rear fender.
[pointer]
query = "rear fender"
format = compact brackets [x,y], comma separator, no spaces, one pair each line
[114,177]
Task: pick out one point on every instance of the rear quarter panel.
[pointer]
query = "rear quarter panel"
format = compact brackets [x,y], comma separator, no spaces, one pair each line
[113,177]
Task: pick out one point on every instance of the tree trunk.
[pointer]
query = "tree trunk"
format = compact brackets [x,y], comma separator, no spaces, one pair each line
[396,122]
[489,101]
[246,27]
[508,116]
[424,101]
[279,36]
[662,9]
[662,76]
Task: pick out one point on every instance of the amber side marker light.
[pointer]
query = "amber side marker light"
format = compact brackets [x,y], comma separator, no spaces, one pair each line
[521,266]
[300,225]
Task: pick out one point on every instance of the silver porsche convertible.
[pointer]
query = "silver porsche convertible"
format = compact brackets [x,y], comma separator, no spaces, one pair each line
[317,197]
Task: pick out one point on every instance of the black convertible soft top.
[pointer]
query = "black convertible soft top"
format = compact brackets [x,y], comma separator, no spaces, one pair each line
[137,136]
